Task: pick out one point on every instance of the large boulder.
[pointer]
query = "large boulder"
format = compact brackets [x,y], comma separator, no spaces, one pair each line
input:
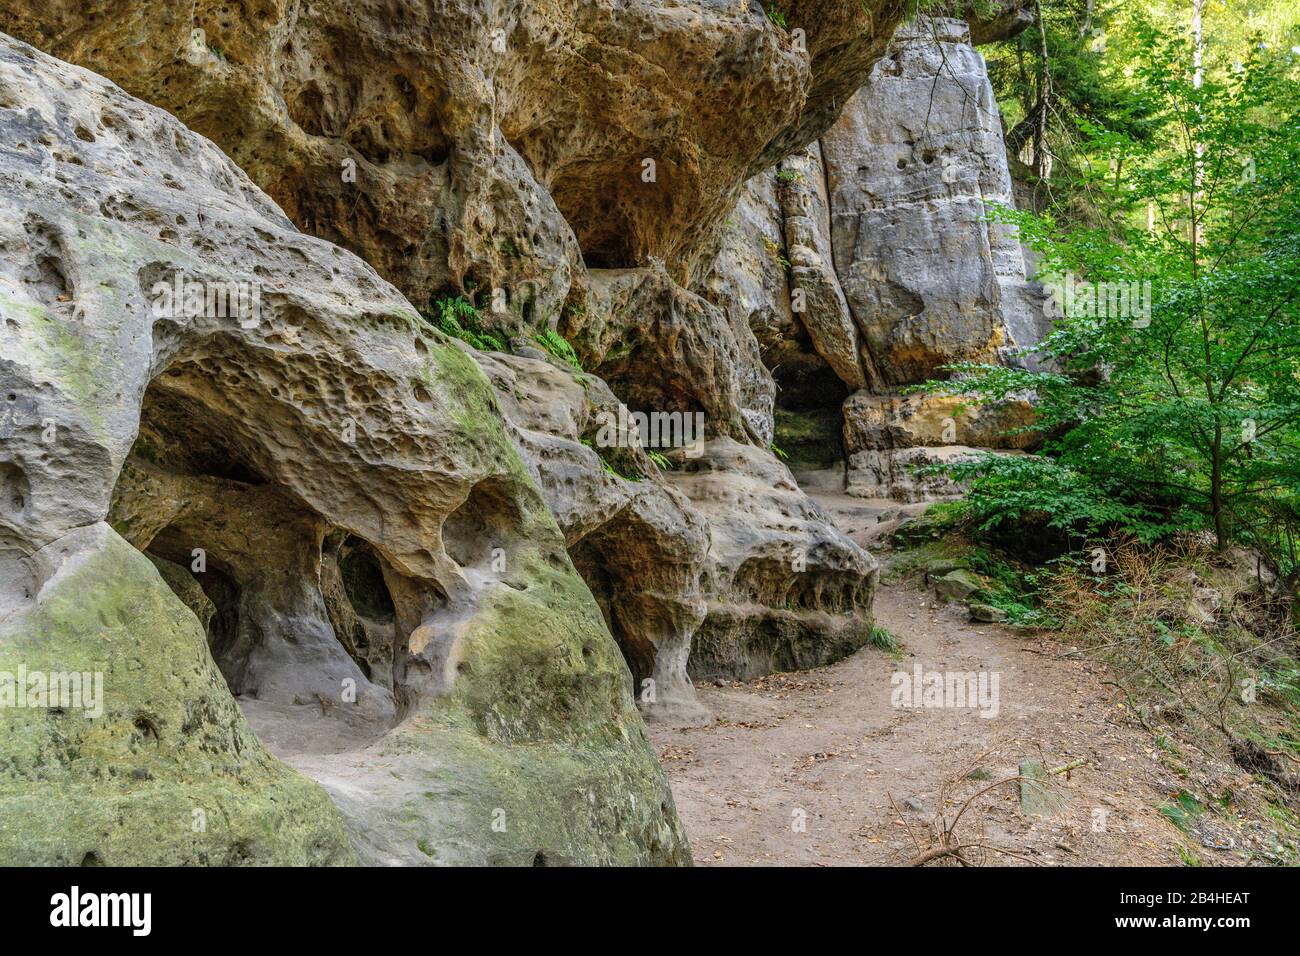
[894,444]
[921,419]
[394,604]
[914,164]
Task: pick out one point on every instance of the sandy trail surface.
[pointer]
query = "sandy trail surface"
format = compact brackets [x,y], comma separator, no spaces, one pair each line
[800,768]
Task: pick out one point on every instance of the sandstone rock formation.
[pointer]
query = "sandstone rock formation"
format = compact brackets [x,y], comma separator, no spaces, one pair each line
[786,588]
[893,269]
[638,544]
[913,164]
[420,573]
[888,439]
[717,565]
[316,420]
[497,144]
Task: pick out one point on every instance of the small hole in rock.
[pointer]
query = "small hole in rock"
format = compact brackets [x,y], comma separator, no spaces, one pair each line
[146,725]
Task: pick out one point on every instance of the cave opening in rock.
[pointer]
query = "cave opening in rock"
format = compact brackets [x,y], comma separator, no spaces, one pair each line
[363,580]
[598,562]
[604,220]
[809,415]
[486,521]
[361,607]
[298,615]
[223,628]
[176,433]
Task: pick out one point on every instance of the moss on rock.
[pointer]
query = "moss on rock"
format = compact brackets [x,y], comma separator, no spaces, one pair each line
[538,756]
[169,773]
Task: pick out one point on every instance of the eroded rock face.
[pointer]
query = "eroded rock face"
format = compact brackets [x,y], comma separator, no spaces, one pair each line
[377,546]
[154,747]
[718,565]
[490,142]
[890,439]
[663,348]
[815,291]
[919,419]
[786,589]
[747,281]
[339,465]
[912,164]
[639,545]
[773,276]
[888,271]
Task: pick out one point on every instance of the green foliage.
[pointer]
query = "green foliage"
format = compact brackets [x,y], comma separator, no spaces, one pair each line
[1189,857]
[884,639]
[776,450]
[1008,489]
[1184,410]
[660,459]
[1182,810]
[460,318]
[608,468]
[776,15]
[1011,588]
[556,344]
[1005,583]
[774,247]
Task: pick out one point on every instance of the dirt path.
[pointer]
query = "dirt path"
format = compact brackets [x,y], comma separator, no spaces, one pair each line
[828,747]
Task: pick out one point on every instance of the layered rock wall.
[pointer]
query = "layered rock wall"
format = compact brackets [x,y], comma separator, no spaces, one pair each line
[894,270]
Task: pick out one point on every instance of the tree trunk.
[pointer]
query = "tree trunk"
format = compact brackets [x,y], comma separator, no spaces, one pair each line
[1042,161]
[1217,511]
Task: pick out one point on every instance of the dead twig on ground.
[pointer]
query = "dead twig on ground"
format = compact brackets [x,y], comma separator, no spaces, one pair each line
[946,841]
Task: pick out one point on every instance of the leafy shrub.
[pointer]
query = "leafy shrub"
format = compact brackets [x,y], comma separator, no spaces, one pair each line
[1014,488]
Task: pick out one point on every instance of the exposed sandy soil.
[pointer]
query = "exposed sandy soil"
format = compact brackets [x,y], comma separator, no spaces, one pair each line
[829,743]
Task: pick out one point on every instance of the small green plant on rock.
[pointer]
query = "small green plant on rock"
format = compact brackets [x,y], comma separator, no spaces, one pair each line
[460,318]
[609,468]
[660,459]
[772,246]
[557,345]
